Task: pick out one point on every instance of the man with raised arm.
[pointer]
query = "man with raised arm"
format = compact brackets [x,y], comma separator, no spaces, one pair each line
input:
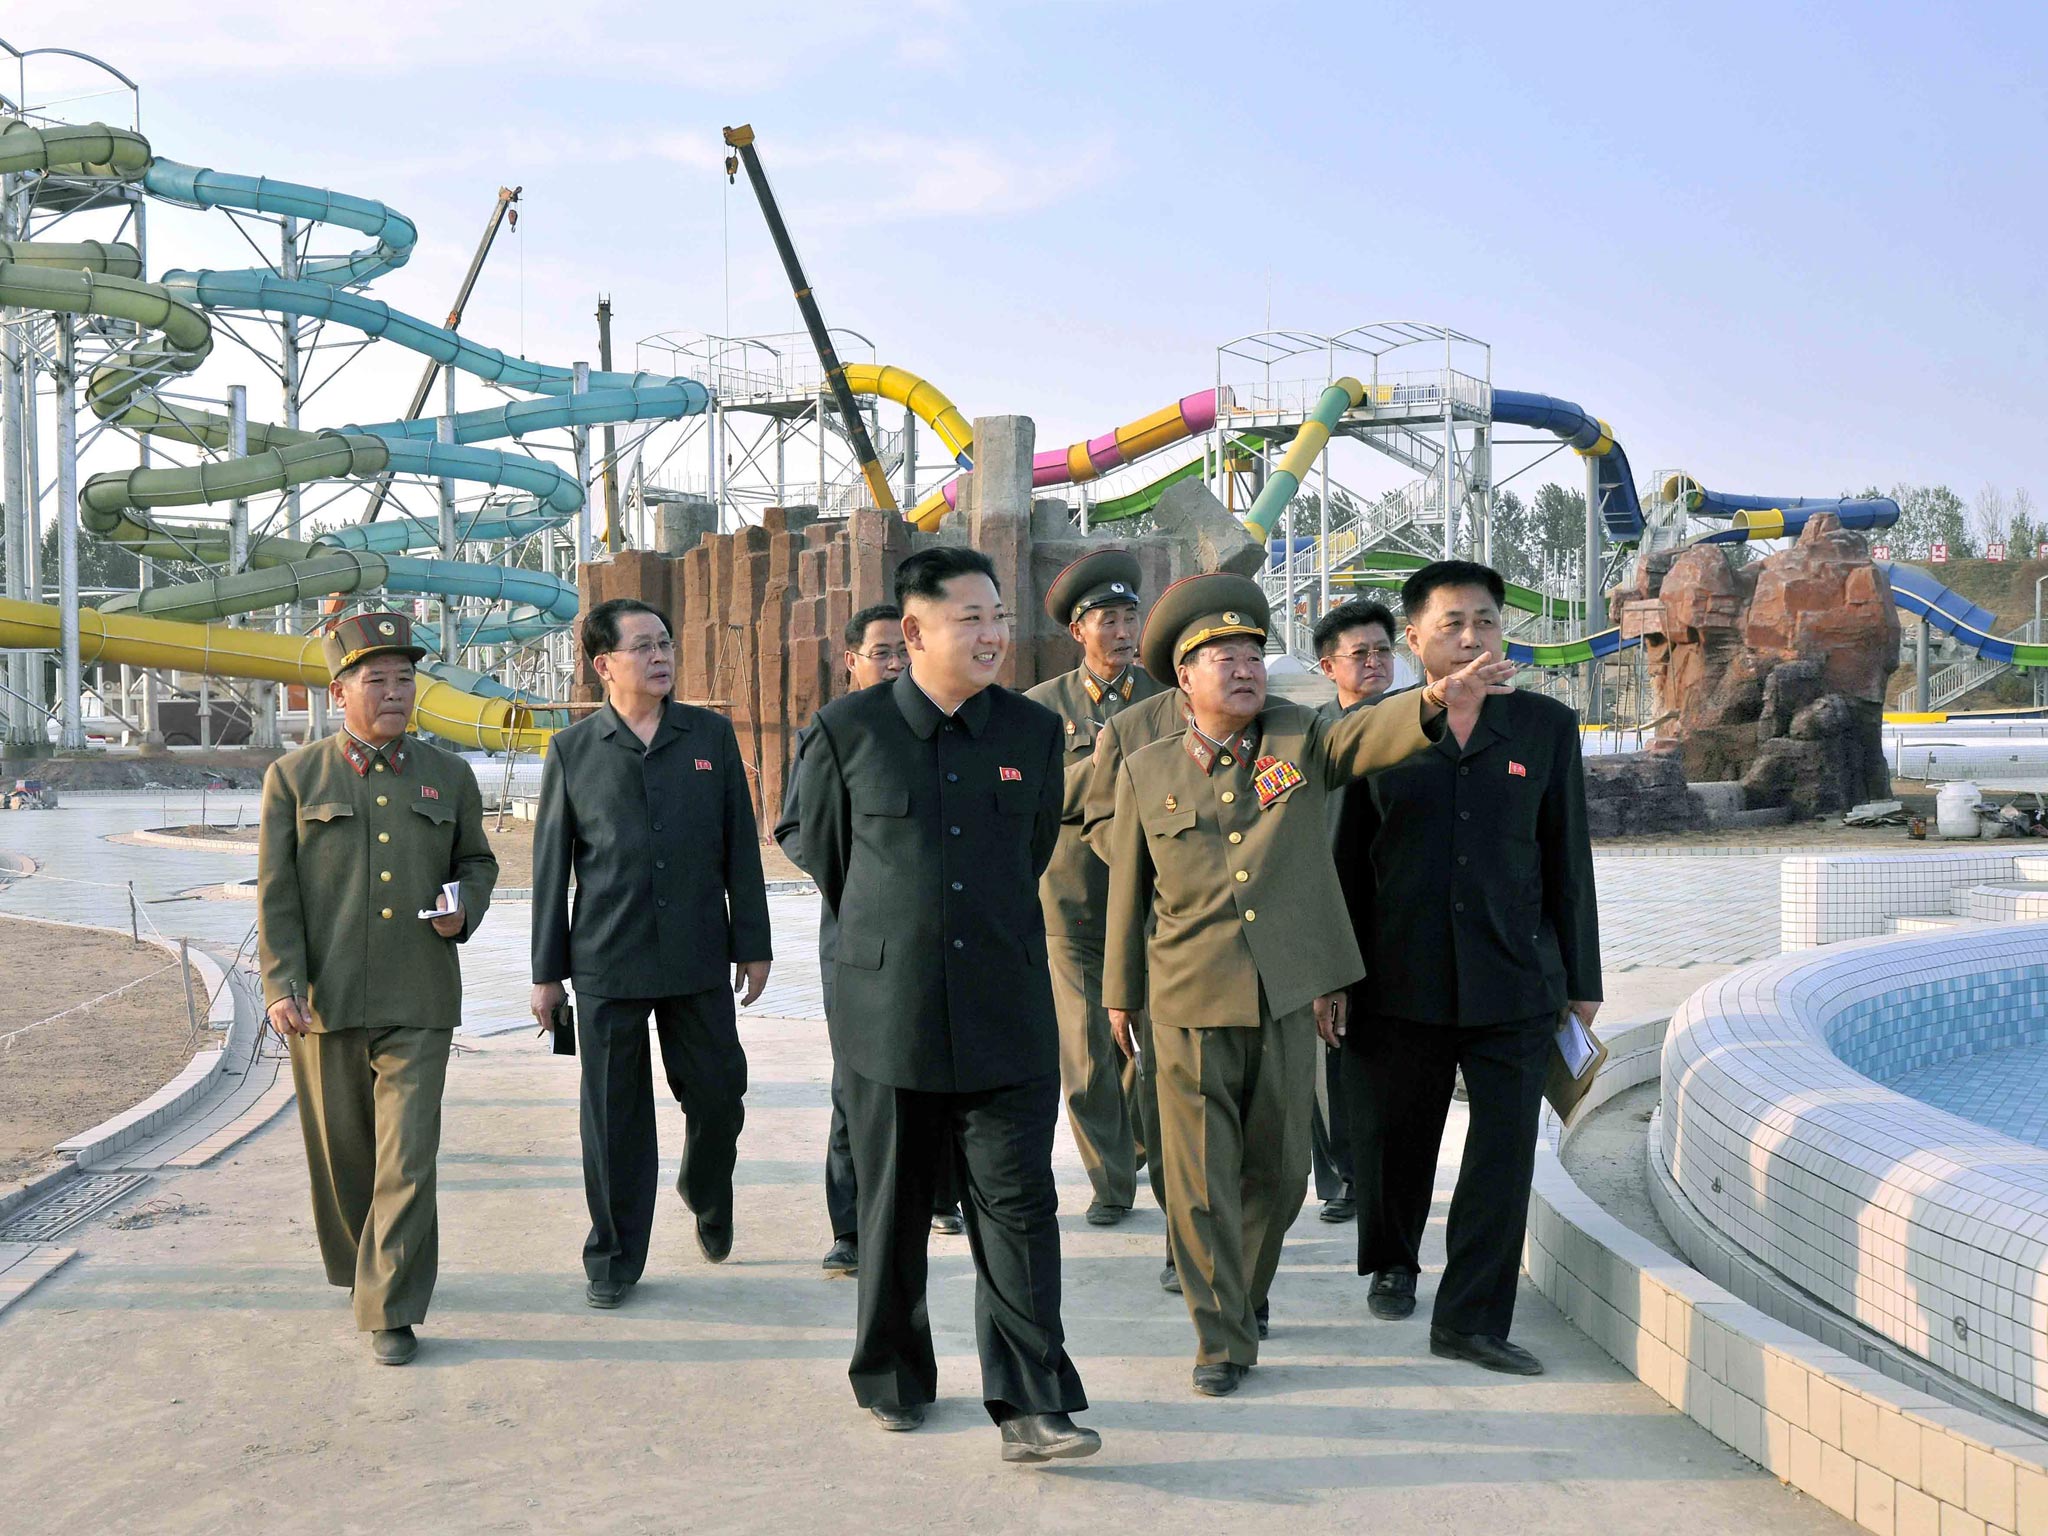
[1223,903]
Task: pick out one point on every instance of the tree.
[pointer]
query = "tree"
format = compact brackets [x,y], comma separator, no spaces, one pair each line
[1988,517]
[1928,513]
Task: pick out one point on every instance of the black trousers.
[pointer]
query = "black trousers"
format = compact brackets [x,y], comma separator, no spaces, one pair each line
[1397,1079]
[999,1142]
[1330,1144]
[841,1186]
[707,1073]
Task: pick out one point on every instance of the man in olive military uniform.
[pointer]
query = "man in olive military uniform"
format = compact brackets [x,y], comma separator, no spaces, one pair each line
[1220,844]
[1097,599]
[929,807]
[361,832]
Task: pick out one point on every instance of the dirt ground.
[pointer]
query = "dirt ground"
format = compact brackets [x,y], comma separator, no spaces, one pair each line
[72,1073]
[193,768]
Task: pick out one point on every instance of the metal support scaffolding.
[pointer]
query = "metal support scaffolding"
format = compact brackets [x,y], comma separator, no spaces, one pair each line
[1593,713]
[72,737]
[580,436]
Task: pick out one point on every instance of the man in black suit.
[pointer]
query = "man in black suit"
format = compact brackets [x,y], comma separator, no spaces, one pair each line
[929,808]
[1469,876]
[647,801]
[1354,645]
[874,654]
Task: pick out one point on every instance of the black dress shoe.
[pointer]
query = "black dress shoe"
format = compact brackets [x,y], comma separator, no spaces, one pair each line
[604,1294]
[715,1243]
[1169,1277]
[948,1223]
[1101,1215]
[844,1259]
[898,1418]
[1343,1208]
[1484,1350]
[1392,1296]
[1263,1316]
[393,1346]
[1220,1379]
[1047,1437]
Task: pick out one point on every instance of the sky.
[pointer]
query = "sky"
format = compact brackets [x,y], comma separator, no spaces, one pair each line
[1794,250]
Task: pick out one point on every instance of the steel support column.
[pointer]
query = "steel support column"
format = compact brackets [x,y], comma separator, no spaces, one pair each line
[72,738]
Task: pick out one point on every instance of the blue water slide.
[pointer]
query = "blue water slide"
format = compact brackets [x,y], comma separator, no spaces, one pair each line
[198,187]
[1621,511]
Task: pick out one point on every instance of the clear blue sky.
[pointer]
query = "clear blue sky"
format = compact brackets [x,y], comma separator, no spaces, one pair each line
[1793,249]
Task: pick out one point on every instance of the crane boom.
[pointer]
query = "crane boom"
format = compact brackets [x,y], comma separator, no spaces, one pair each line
[741,140]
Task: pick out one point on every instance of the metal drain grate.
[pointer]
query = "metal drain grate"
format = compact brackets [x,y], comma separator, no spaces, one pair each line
[77,1201]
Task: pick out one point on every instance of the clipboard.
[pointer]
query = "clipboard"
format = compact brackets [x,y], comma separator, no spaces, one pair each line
[1576,1057]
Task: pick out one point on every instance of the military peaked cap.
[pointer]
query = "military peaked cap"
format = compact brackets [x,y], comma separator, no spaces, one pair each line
[1099,579]
[363,635]
[1195,609]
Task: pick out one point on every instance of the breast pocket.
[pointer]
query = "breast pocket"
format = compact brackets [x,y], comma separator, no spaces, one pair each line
[439,828]
[880,801]
[1165,824]
[332,815]
[1016,799]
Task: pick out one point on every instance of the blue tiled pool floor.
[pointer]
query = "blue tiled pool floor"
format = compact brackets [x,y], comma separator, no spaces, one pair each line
[2004,1090]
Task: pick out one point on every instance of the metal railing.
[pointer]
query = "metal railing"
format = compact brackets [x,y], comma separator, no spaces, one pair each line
[1947,684]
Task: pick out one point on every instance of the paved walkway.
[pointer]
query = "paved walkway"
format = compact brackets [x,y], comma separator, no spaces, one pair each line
[192,1334]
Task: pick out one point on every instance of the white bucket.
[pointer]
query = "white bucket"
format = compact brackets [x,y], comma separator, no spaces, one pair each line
[1955,810]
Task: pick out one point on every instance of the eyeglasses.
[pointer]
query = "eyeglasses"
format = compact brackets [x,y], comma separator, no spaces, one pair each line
[1370,653]
[885,655]
[645,649]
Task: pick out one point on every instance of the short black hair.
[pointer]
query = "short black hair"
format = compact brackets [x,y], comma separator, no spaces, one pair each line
[601,624]
[1345,617]
[1416,590]
[857,626]
[926,573]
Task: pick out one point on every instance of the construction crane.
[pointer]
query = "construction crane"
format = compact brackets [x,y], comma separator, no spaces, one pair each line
[507,196]
[741,141]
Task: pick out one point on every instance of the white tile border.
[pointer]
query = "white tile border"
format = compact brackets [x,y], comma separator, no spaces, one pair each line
[1897,1461]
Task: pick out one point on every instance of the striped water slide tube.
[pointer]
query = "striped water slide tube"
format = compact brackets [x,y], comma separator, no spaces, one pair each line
[1080,462]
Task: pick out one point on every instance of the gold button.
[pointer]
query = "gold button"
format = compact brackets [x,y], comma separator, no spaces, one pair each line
[1242,876]
[380,767]
[383,837]
[1229,795]
[385,876]
[1250,916]
[1237,837]
[1226,759]
[386,913]
[383,799]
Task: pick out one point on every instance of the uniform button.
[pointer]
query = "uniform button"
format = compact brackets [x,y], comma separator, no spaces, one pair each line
[384,875]
[1237,837]
[959,944]
[958,886]
[661,863]
[955,831]
[952,778]
[386,913]
[1228,796]
[1463,860]
[661,901]
[1463,771]
[1464,815]
[380,767]
[1457,906]
[1226,759]
[1242,876]
[383,799]
[1250,916]
[657,826]
[383,837]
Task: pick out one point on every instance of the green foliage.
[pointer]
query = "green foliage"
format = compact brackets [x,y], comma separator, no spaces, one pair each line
[1928,513]
[1532,538]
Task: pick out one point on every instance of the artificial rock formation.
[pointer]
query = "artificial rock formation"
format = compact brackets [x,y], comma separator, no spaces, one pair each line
[1772,672]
